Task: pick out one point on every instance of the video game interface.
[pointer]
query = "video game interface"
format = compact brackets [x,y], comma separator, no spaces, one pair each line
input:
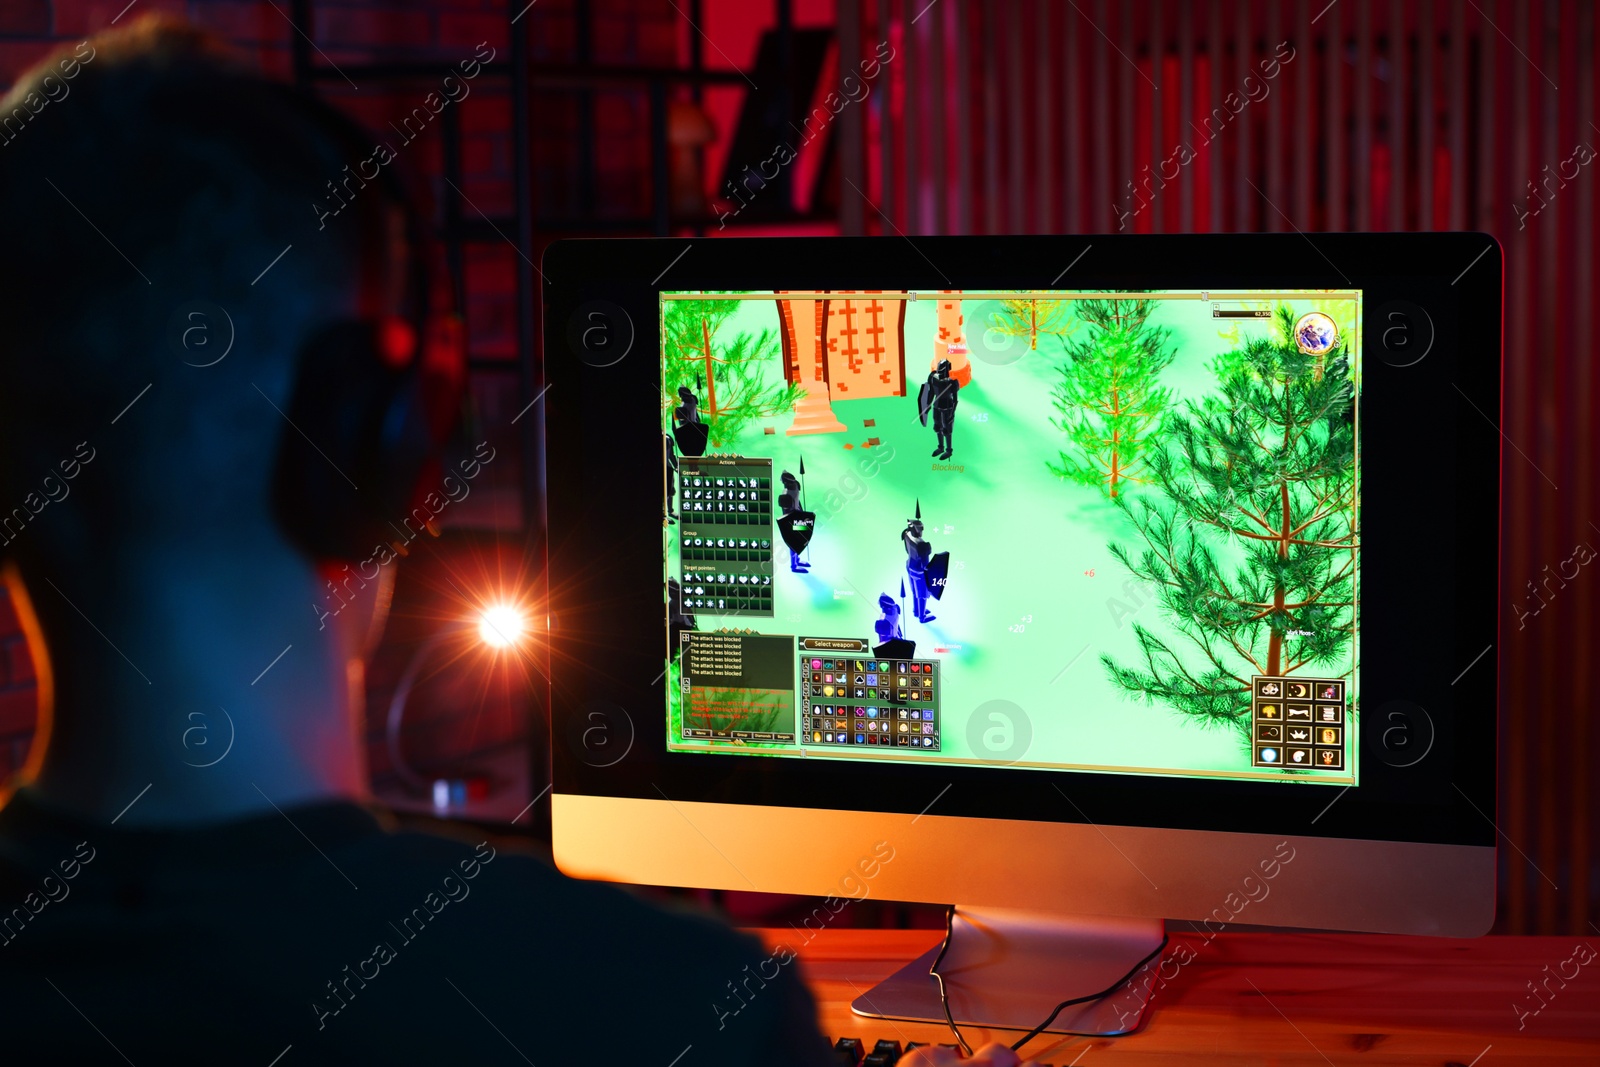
[1112,531]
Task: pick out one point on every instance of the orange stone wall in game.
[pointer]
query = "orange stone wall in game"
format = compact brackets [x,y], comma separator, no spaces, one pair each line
[805,362]
[862,350]
[951,343]
[866,347]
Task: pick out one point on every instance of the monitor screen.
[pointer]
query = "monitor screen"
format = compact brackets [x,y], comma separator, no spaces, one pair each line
[1094,531]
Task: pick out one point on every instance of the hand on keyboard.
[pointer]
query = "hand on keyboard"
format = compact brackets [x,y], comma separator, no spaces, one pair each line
[852,1052]
[993,1054]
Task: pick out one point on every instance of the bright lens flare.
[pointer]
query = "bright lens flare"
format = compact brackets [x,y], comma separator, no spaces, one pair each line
[501,626]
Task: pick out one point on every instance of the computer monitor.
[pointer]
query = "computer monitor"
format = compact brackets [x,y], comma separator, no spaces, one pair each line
[1080,582]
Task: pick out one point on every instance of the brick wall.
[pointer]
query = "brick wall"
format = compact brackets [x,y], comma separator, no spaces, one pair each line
[350,33]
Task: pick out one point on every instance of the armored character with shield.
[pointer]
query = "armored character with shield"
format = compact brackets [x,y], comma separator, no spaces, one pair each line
[796,525]
[926,569]
[892,641]
[672,477]
[937,399]
[687,429]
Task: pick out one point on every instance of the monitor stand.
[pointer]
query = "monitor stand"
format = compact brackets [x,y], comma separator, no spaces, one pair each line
[1009,969]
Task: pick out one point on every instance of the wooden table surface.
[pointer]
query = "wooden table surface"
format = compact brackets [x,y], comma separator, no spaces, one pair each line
[1268,998]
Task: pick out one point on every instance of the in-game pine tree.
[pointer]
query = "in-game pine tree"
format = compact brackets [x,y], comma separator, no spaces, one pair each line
[1109,394]
[1032,318]
[729,374]
[1253,542]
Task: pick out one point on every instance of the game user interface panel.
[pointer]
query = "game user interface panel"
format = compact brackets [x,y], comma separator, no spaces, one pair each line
[1114,531]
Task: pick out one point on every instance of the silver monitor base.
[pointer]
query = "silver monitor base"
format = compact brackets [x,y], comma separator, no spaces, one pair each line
[1009,969]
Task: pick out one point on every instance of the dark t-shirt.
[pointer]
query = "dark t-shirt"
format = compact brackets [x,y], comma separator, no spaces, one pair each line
[323,931]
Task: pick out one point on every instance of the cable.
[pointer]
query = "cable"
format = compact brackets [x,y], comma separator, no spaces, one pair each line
[397,710]
[944,998]
[1106,992]
[933,969]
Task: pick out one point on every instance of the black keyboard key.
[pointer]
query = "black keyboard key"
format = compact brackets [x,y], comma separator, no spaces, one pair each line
[884,1054]
[847,1051]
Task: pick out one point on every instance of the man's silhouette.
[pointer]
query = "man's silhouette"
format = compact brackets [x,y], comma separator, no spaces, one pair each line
[164,902]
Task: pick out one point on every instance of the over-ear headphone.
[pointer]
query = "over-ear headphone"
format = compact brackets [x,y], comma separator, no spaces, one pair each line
[373,403]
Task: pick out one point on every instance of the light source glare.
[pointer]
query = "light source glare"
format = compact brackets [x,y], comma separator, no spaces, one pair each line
[501,626]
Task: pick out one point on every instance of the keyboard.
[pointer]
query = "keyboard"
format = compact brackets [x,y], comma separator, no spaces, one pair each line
[852,1052]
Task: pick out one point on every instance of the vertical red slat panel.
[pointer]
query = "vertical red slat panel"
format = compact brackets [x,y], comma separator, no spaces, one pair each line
[1216,52]
[1399,62]
[915,113]
[1146,193]
[1460,105]
[1506,161]
[1305,57]
[991,119]
[1272,213]
[1487,52]
[852,131]
[1127,95]
[1204,197]
[1336,136]
[1156,41]
[1046,180]
[1183,133]
[1100,136]
[1362,178]
[1426,43]
[1580,841]
[1568,418]
[1538,26]
[1076,146]
[1513,780]
[962,38]
[1244,218]
[938,171]
[1015,113]
[886,123]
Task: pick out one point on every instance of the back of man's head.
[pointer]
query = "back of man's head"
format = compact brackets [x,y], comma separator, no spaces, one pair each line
[159,208]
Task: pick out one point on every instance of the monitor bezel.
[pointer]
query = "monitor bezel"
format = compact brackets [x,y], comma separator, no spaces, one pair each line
[607,634]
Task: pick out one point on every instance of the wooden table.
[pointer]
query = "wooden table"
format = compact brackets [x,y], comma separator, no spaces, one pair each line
[1260,998]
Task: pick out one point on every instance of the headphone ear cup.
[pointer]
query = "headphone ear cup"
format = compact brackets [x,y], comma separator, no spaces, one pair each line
[371,416]
[422,416]
[443,374]
[333,491]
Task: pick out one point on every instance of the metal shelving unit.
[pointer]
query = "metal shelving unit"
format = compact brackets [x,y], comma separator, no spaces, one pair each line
[458,225]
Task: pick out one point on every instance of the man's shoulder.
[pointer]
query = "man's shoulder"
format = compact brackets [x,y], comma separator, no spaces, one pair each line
[522,895]
[585,951]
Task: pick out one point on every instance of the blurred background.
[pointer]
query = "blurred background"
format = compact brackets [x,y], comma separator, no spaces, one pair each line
[717,118]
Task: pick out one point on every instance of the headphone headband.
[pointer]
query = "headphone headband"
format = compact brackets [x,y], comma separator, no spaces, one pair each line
[375,397]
